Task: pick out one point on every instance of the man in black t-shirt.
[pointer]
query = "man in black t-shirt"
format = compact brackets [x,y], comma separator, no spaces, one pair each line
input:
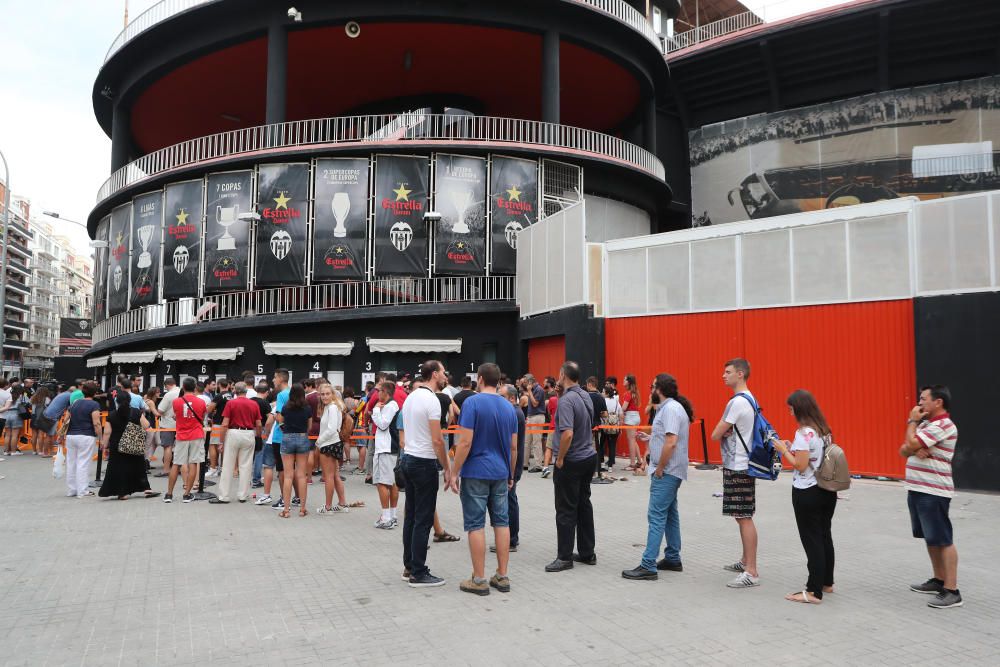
[218,404]
[258,447]
[445,401]
[466,391]
[600,413]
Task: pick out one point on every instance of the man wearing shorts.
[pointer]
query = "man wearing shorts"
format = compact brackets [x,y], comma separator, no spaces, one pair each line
[929,447]
[189,445]
[485,458]
[167,423]
[739,492]
[386,450]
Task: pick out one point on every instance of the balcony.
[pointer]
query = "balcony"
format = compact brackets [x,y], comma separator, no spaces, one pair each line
[18,249]
[19,307]
[386,292]
[17,325]
[18,267]
[46,269]
[43,286]
[14,344]
[17,226]
[44,305]
[19,288]
[387,132]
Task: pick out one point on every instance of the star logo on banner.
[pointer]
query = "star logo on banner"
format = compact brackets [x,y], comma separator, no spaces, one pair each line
[402,194]
[514,194]
[282,200]
[119,239]
[460,245]
[226,262]
[340,249]
[182,217]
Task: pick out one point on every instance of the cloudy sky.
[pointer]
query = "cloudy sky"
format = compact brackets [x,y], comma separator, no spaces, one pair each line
[52,51]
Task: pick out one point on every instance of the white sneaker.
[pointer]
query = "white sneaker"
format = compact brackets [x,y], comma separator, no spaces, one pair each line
[212,472]
[263,500]
[17,452]
[385,525]
[745,580]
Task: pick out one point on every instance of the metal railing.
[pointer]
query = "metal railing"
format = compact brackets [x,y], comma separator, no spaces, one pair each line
[767,13]
[380,129]
[167,9]
[325,296]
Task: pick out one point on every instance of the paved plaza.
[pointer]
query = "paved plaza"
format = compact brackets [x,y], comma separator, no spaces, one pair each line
[102,582]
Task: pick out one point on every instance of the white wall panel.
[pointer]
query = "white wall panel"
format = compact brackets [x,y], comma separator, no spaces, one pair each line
[767,268]
[820,272]
[669,278]
[714,274]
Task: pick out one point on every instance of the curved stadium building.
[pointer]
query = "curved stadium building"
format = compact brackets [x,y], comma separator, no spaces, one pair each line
[641,185]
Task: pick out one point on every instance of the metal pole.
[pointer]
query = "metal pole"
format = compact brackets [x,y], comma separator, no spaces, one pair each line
[704,448]
[3,259]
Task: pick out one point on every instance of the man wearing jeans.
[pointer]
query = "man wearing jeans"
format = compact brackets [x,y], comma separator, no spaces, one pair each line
[535,421]
[576,458]
[423,453]
[485,458]
[668,450]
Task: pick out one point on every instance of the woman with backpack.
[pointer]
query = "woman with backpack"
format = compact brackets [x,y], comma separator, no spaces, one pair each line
[813,506]
[331,444]
[39,435]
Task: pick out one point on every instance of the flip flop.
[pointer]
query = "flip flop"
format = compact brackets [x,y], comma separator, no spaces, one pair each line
[357,503]
[284,514]
[446,537]
[802,598]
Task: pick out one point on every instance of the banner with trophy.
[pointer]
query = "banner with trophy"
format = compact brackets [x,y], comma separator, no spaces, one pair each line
[340,218]
[513,204]
[147,223]
[282,231]
[400,204]
[101,270]
[183,216]
[460,198]
[227,231]
[118,262]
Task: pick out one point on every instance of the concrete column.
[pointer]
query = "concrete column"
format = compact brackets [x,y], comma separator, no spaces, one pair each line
[277,73]
[121,137]
[649,123]
[550,76]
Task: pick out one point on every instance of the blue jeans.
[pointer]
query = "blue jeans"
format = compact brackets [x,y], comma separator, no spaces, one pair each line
[479,494]
[258,465]
[664,520]
[418,512]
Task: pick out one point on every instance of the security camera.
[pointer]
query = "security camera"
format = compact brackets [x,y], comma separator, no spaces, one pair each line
[295,14]
[432,217]
[352,29]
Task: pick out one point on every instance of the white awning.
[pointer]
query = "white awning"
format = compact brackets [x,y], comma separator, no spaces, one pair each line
[415,344]
[203,354]
[98,362]
[134,357]
[308,349]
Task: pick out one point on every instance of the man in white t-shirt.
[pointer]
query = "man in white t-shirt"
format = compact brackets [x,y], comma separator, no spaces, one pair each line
[739,499]
[167,421]
[423,455]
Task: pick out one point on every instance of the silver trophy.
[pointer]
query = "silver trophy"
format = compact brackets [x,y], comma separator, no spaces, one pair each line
[460,199]
[226,216]
[145,235]
[341,206]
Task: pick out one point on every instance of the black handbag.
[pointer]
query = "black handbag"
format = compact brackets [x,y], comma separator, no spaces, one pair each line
[43,423]
[400,475]
[24,410]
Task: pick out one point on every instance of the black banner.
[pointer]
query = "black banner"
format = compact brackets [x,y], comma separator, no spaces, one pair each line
[460,198]
[74,337]
[340,218]
[183,215]
[118,260]
[227,237]
[147,225]
[401,201]
[283,202]
[101,270]
[513,200]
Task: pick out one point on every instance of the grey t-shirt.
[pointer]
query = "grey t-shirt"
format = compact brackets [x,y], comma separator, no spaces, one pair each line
[575,412]
[740,414]
[671,419]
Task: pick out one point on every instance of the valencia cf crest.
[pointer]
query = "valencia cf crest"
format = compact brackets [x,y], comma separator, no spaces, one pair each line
[339,257]
[181,258]
[401,235]
[117,276]
[281,244]
[510,233]
[460,253]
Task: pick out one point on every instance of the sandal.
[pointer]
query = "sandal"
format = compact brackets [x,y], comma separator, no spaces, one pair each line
[445,537]
[802,598]
[284,514]
[303,512]
[357,503]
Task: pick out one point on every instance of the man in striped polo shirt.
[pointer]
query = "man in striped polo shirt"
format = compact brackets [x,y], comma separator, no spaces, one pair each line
[929,447]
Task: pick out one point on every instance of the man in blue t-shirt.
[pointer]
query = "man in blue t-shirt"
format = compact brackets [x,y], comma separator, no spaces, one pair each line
[485,459]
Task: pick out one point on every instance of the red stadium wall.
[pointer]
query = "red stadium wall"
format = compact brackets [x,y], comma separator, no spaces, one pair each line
[857,359]
[546,355]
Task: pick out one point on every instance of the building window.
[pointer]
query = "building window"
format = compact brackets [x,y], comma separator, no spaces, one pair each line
[657,20]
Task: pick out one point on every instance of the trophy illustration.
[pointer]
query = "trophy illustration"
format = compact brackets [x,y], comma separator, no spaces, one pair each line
[145,235]
[341,205]
[460,199]
[226,216]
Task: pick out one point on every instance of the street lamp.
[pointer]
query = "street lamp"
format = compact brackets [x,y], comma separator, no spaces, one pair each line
[54,214]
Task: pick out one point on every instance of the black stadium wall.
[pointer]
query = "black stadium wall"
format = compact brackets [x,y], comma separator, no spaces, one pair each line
[956,345]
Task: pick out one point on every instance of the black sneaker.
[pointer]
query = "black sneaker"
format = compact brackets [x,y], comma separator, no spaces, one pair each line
[257,485]
[279,505]
[664,564]
[946,599]
[559,565]
[168,497]
[589,560]
[639,574]
[188,497]
[427,580]
[296,502]
[930,587]
[513,549]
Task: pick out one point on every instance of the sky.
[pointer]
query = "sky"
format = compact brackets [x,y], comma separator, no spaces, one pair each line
[52,51]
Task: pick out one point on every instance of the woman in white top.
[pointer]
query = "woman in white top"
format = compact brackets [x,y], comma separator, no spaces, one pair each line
[813,506]
[331,449]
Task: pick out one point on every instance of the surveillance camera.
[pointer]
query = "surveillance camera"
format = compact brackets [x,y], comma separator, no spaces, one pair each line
[352,29]
[432,217]
[295,14]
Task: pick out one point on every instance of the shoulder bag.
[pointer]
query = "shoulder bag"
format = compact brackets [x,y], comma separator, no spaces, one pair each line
[133,440]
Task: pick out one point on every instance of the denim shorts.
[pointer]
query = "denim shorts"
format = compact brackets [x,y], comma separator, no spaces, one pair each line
[929,518]
[477,495]
[295,443]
